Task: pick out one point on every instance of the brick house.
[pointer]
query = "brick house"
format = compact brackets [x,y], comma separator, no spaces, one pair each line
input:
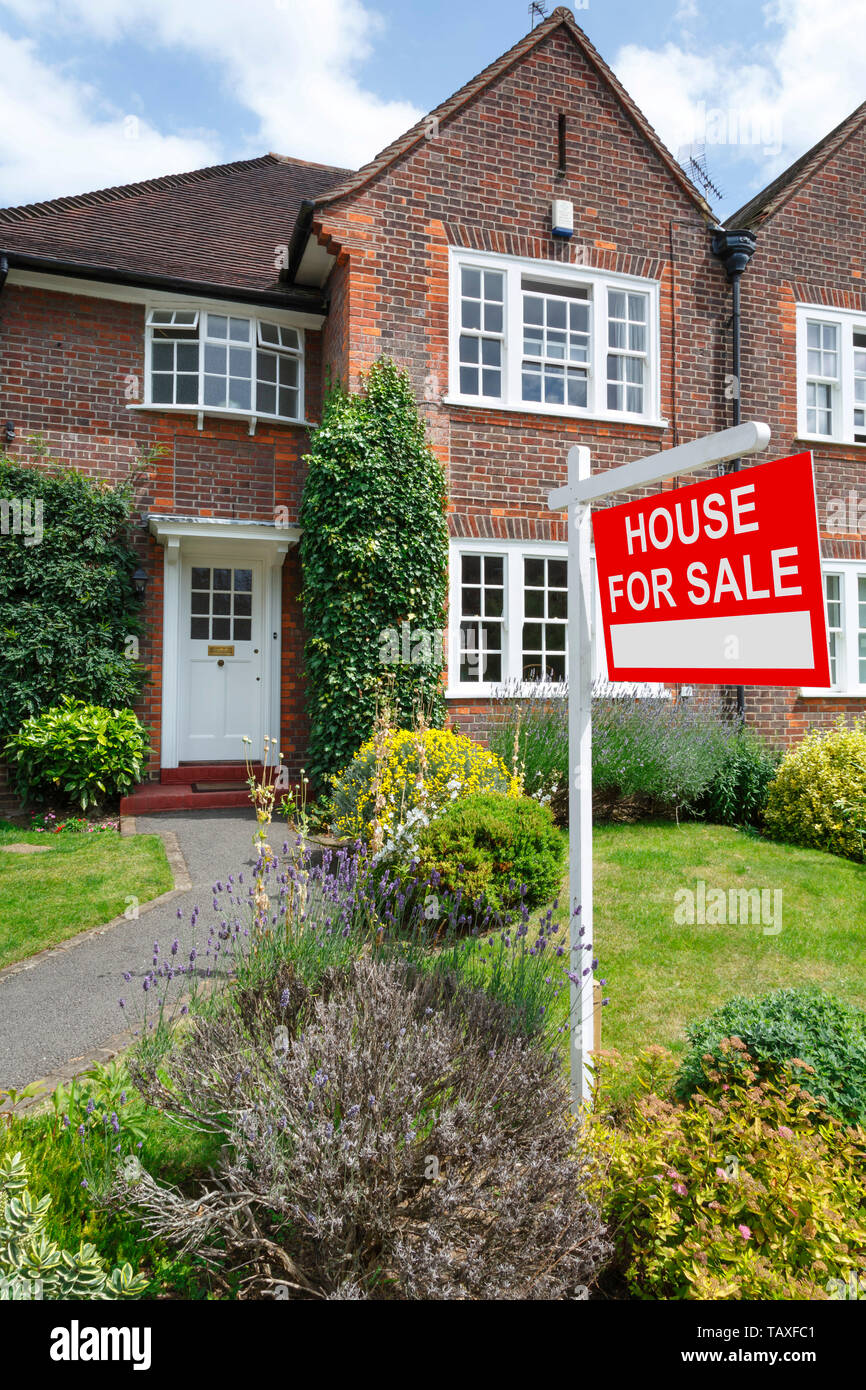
[804,372]
[201,312]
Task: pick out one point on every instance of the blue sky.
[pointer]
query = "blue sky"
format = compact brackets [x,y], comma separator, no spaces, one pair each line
[98,92]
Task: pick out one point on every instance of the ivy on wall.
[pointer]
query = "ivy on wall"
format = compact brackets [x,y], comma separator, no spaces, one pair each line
[374,549]
[67,601]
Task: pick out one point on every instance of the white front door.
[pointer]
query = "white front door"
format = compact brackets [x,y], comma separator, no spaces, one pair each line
[222,686]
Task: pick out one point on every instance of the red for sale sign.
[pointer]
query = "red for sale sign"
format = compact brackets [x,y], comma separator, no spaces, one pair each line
[718,582]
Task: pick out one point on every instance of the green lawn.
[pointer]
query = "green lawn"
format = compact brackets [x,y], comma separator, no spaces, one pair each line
[82,881]
[661,976]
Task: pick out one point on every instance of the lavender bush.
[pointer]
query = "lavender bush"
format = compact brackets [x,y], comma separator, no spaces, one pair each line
[317,914]
[649,753]
[389,1136]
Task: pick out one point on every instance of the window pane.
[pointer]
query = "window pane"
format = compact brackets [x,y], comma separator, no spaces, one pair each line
[494,569]
[220,628]
[161,389]
[471,569]
[266,399]
[243,630]
[222,603]
[198,629]
[200,578]
[240,362]
[222,579]
[214,359]
[199,603]
[214,390]
[557,573]
[217,326]
[187,390]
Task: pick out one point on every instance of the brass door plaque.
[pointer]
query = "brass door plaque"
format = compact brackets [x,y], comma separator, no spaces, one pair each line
[220,651]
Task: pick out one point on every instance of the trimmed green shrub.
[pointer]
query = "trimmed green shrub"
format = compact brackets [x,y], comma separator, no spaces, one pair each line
[81,751]
[375,554]
[453,766]
[818,796]
[749,1192]
[67,601]
[829,1037]
[737,794]
[500,849]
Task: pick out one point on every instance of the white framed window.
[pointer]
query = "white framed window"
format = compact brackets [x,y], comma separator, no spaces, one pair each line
[224,362]
[508,606]
[548,338]
[845,599]
[831,374]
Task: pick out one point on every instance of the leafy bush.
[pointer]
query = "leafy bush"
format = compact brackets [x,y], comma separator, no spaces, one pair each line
[391,776]
[818,796]
[32,1265]
[826,1035]
[67,602]
[737,793]
[748,1192]
[498,850]
[83,751]
[375,556]
[389,1137]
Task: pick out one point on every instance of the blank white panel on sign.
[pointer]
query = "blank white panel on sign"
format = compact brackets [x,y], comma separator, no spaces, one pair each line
[768,640]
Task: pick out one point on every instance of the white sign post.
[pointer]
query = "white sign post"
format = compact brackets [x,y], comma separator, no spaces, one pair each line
[580,491]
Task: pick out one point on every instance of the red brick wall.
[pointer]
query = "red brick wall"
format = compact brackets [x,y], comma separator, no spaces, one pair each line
[811,251]
[66,364]
[486,182]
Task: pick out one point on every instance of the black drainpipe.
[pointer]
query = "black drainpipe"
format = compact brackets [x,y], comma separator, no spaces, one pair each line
[735,249]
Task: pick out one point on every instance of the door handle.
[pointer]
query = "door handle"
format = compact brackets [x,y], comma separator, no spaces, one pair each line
[220,662]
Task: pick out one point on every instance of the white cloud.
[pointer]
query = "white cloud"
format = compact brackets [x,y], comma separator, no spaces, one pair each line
[764,103]
[57,136]
[290,63]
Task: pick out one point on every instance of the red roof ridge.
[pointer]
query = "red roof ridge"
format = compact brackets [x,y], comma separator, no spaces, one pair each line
[132,190]
[464,94]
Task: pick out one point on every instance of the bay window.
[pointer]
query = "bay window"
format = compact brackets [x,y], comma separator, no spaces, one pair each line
[211,361]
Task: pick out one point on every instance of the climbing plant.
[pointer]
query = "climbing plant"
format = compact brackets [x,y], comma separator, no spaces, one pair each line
[67,604]
[374,550]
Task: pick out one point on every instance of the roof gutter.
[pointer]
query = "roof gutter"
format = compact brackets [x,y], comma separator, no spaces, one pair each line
[298,242]
[309,301]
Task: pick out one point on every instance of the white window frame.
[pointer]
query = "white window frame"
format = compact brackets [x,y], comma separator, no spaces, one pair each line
[846,321]
[848,681]
[513,553]
[597,282]
[254,343]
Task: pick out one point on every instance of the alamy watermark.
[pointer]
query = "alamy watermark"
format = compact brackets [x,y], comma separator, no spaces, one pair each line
[21,516]
[703,906]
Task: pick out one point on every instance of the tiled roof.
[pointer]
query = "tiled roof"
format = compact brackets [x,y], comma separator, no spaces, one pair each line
[789,183]
[216,226]
[461,98]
